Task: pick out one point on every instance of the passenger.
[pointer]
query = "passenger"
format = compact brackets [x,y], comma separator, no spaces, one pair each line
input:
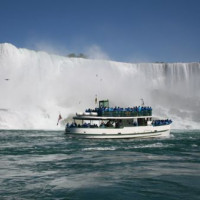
[117,125]
[108,124]
[135,124]
[102,125]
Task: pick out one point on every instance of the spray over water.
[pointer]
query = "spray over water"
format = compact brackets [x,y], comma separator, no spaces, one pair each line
[36,86]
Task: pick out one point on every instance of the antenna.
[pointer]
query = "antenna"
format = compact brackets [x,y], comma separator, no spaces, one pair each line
[96,99]
[142,100]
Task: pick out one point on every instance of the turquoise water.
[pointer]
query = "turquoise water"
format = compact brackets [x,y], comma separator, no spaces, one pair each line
[51,165]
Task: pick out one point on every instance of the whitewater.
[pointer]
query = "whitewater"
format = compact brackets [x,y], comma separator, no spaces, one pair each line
[36,87]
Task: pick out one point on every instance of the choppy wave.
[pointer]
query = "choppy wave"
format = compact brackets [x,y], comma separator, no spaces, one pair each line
[50,165]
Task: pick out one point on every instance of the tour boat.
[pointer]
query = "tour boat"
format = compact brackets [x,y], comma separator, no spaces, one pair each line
[117,122]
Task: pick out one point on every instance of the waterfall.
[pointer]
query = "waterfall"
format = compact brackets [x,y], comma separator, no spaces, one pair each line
[36,86]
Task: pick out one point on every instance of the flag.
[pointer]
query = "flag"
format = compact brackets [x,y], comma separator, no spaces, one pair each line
[59,118]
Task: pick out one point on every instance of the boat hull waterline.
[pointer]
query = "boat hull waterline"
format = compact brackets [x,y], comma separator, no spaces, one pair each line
[125,132]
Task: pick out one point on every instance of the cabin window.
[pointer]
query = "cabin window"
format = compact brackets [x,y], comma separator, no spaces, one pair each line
[142,122]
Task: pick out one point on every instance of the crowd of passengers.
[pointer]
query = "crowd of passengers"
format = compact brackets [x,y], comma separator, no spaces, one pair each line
[119,109]
[117,125]
[85,125]
[161,122]
[88,125]
[136,109]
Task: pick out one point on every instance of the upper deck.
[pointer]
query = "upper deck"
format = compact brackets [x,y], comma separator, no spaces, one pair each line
[117,112]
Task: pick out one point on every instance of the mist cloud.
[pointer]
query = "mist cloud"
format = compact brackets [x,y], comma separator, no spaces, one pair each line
[95,52]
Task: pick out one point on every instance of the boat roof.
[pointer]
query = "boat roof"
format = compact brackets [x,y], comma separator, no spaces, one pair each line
[86,117]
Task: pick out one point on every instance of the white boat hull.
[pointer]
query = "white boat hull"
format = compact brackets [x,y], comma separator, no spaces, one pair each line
[126,132]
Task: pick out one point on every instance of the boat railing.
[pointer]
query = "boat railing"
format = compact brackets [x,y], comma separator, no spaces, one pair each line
[121,112]
[108,125]
[124,113]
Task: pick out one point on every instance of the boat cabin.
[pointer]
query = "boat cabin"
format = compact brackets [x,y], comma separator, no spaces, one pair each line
[104,104]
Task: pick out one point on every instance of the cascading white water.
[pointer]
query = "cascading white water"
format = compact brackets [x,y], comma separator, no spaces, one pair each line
[35,87]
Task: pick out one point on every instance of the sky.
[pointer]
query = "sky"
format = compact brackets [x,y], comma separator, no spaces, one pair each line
[120,30]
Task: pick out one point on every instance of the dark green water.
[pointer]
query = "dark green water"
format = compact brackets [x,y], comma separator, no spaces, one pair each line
[50,165]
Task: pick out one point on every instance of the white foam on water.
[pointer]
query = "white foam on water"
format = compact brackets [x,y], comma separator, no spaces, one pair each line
[144,146]
[99,149]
